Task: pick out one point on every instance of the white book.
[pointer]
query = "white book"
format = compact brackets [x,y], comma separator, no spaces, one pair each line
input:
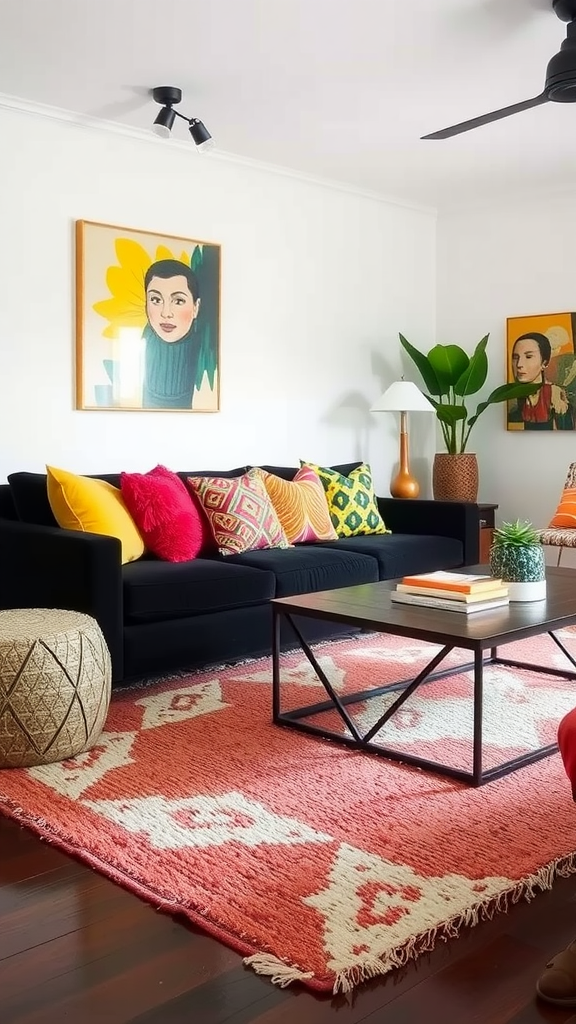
[445,604]
[452,595]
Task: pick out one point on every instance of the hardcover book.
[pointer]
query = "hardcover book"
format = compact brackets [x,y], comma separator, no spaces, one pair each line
[445,604]
[460,582]
[455,595]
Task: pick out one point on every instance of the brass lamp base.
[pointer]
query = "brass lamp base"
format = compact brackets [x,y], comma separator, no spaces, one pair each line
[404,485]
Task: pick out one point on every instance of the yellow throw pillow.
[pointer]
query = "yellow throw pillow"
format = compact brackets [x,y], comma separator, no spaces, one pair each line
[93,506]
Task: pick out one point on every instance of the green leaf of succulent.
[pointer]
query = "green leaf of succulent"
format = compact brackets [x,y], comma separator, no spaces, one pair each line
[519,533]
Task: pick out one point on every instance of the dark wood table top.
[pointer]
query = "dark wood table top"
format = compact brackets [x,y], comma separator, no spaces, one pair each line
[368,606]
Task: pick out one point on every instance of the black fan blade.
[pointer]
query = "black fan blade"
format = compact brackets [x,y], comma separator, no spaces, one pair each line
[476,122]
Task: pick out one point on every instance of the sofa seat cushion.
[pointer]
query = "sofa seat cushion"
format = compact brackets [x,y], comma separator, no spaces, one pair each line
[311,567]
[157,590]
[400,554]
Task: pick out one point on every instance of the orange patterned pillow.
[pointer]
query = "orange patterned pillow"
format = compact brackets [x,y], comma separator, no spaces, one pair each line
[565,514]
[301,506]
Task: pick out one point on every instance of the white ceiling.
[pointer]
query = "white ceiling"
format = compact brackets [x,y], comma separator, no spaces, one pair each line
[338,89]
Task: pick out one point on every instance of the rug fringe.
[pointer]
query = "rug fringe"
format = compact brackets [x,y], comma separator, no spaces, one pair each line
[279,972]
[527,888]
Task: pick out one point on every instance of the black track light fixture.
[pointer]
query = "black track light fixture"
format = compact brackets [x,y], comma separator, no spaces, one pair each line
[167,96]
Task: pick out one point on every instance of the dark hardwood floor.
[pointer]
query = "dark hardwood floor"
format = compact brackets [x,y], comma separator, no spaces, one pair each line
[75,947]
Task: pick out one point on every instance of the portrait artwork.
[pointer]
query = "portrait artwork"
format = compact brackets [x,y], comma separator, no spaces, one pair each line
[540,350]
[147,321]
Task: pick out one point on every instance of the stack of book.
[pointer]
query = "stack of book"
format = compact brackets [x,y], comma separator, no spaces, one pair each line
[452,591]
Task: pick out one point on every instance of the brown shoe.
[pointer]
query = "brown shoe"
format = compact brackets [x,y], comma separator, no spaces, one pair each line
[557,984]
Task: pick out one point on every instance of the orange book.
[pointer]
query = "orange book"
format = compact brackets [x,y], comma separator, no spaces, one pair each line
[459,582]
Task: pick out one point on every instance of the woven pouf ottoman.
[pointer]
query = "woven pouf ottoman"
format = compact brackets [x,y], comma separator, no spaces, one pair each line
[55,680]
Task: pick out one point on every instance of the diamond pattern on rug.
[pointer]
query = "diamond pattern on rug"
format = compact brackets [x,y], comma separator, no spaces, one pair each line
[182,704]
[74,776]
[301,674]
[506,700]
[206,821]
[371,905]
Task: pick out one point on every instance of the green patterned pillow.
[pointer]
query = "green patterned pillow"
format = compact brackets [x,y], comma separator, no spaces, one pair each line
[351,500]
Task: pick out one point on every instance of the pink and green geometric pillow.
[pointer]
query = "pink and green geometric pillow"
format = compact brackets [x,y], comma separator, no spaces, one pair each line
[240,513]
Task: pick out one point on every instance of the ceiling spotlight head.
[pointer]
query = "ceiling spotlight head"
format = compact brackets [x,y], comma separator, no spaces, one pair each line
[200,134]
[163,124]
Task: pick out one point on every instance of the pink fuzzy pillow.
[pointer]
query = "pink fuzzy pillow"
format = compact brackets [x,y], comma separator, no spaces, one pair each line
[171,522]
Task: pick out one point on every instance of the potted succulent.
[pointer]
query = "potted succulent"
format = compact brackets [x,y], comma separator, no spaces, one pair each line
[450,375]
[517,557]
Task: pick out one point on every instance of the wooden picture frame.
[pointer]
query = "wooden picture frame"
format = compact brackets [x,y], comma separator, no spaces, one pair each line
[540,349]
[147,321]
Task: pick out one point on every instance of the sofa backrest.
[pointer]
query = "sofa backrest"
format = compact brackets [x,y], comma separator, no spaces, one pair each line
[7,507]
[29,494]
[289,472]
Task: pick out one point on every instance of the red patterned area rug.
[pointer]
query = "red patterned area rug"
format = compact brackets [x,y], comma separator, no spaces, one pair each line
[319,864]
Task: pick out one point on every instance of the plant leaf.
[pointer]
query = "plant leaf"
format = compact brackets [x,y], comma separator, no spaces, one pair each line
[474,377]
[449,362]
[423,364]
[450,413]
[504,393]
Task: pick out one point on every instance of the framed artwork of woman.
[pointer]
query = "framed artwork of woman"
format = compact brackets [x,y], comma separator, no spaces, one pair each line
[540,350]
[147,321]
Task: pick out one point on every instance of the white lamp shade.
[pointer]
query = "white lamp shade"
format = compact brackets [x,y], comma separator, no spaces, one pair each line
[402,396]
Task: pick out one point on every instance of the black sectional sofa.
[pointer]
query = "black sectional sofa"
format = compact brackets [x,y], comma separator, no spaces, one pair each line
[159,616]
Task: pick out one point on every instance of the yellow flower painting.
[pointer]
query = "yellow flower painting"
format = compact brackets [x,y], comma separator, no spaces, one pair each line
[147,321]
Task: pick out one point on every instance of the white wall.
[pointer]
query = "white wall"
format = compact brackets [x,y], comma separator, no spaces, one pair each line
[316,284]
[513,259]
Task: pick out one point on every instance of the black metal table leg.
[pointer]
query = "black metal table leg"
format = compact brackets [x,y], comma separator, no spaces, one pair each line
[275,663]
[478,699]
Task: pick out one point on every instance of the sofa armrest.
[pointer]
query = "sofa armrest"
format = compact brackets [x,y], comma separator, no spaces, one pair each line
[46,567]
[458,519]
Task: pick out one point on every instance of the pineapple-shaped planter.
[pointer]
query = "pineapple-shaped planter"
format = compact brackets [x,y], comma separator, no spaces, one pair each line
[517,557]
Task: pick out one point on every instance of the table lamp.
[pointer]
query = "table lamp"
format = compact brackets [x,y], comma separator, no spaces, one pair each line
[403,396]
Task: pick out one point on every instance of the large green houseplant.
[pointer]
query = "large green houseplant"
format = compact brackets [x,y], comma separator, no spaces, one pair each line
[451,376]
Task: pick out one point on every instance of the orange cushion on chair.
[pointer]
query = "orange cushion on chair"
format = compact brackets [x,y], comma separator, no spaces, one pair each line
[565,514]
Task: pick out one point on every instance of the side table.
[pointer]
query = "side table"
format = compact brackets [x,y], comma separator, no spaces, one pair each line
[486,527]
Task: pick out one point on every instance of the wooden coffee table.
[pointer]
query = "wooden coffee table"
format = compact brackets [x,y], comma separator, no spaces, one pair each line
[482,633]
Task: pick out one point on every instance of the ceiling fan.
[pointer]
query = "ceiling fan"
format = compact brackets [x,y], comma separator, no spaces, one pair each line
[560,85]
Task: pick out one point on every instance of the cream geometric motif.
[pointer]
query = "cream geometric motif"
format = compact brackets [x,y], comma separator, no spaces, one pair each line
[303,674]
[204,821]
[511,715]
[371,905]
[408,654]
[75,775]
[179,705]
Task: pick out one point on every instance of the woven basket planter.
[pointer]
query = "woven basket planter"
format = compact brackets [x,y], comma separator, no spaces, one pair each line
[455,477]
